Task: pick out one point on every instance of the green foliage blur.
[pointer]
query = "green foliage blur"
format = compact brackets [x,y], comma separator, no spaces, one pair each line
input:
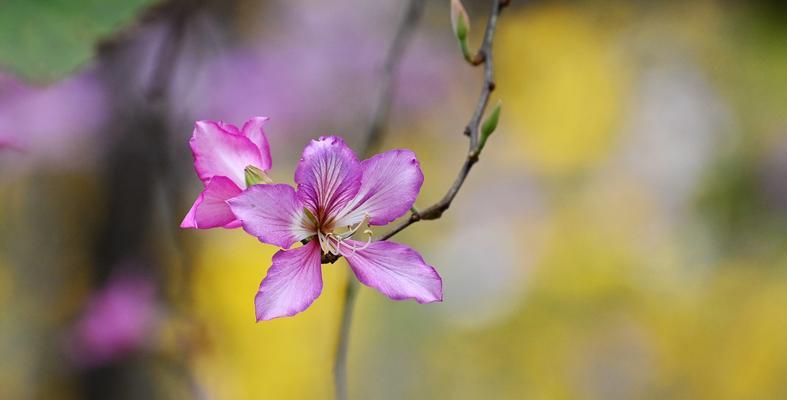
[43,41]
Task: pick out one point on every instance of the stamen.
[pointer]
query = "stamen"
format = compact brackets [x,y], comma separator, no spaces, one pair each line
[321,240]
[334,248]
[331,243]
[325,243]
[352,230]
[368,234]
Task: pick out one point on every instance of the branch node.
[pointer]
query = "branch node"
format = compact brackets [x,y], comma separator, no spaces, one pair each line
[479,58]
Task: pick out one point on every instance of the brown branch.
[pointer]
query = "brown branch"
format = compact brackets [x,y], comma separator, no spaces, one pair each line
[472,129]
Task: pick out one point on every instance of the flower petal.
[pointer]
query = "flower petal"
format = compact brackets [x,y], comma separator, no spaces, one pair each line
[252,129]
[273,214]
[219,150]
[210,210]
[328,176]
[394,269]
[390,183]
[293,282]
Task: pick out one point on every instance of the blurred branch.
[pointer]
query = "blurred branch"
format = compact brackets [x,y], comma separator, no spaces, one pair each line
[167,55]
[137,173]
[379,122]
[374,135]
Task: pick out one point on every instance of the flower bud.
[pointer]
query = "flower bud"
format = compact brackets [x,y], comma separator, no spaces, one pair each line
[460,22]
[255,176]
[490,124]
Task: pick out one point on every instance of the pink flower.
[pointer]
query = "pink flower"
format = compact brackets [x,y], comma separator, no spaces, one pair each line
[117,320]
[337,196]
[221,154]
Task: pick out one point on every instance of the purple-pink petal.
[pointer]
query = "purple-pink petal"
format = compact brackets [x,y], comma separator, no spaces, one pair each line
[272,213]
[293,282]
[328,176]
[211,210]
[396,270]
[390,183]
[252,129]
[220,151]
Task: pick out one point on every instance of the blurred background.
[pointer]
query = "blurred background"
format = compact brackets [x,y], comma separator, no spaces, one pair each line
[624,235]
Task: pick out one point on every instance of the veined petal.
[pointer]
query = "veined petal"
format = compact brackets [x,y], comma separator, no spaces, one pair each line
[390,183]
[210,210]
[252,129]
[219,150]
[328,176]
[396,270]
[273,214]
[293,282]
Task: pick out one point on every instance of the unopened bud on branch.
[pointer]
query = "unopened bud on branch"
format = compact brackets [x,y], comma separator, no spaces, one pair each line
[460,23]
[490,124]
[459,20]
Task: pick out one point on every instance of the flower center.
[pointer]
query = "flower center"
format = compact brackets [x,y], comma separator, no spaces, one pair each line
[331,241]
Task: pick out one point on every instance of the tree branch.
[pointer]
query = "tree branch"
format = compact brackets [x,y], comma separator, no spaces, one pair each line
[374,135]
[484,57]
[379,122]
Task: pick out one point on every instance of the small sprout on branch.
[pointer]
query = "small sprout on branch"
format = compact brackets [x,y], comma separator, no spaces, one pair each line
[489,125]
[460,23]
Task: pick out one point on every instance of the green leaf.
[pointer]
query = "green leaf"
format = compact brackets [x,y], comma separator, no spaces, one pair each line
[45,40]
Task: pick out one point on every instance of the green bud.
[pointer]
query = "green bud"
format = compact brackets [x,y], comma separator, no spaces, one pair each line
[490,124]
[255,176]
[460,22]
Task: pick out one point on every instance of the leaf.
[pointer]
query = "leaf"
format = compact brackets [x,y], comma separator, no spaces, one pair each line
[45,40]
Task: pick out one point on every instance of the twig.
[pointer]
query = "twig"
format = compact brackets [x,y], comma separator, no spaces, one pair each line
[484,54]
[374,135]
[472,129]
[340,362]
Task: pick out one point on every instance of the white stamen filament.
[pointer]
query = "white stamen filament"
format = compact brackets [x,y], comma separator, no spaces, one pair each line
[331,243]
